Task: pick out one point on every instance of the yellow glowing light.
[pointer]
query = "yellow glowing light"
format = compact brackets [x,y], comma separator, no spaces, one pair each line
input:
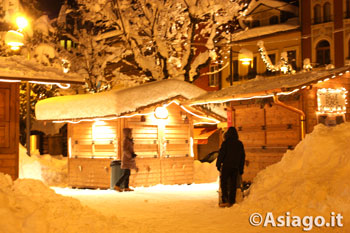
[245,98]
[101,132]
[331,100]
[15,48]
[191,147]
[66,86]
[284,69]
[21,22]
[14,39]
[10,81]
[63,86]
[70,147]
[161,113]
[245,56]
[245,61]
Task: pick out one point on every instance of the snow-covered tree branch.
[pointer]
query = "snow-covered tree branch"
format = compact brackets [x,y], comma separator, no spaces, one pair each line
[160,38]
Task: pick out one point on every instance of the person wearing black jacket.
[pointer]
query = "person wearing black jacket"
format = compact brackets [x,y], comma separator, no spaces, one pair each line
[230,163]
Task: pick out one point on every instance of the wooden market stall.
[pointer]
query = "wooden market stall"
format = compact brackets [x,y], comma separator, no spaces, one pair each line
[273,114]
[13,71]
[162,132]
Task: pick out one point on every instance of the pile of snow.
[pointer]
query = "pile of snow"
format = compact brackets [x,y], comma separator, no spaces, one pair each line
[311,179]
[28,206]
[205,172]
[52,170]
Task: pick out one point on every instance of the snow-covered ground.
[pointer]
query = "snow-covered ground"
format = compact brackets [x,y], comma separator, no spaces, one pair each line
[311,180]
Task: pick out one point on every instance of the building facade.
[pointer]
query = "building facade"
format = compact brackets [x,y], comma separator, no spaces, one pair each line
[314,36]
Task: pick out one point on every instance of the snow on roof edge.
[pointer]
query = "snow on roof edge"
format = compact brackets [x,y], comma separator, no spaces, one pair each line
[115,102]
[241,91]
[18,68]
[275,4]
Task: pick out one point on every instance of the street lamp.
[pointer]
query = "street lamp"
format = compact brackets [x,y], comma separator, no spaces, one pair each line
[21,22]
[161,113]
[15,39]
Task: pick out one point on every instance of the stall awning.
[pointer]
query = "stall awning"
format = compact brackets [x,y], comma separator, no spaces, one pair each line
[201,135]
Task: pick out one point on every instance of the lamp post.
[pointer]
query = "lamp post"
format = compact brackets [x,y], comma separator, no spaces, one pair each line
[15,39]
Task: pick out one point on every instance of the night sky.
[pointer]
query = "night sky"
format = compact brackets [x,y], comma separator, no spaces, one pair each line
[51,7]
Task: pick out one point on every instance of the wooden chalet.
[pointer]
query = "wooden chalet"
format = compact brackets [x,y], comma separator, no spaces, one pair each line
[162,132]
[273,114]
[13,70]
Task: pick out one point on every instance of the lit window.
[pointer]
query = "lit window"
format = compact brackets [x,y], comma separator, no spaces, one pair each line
[69,45]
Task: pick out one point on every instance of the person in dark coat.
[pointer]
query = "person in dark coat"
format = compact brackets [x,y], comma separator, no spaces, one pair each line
[230,163]
[128,161]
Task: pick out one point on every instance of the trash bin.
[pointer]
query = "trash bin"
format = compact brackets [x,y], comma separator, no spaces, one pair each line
[116,172]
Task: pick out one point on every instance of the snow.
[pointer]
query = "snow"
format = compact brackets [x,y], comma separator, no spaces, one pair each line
[51,170]
[280,5]
[43,25]
[114,102]
[10,8]
[310,180]
[291,24]
[15,67]
[265,86]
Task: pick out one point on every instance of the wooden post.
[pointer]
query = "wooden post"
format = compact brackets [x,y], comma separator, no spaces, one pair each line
[28,119]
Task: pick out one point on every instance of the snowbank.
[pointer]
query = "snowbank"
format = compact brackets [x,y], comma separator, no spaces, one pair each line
[52,170]
[311,179]
[28,206]
[205,172]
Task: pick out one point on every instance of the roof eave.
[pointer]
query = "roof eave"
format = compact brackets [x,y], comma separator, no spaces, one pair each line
[43,80]
[265,93]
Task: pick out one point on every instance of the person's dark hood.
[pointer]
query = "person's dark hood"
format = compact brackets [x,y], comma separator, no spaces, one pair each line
[231,134]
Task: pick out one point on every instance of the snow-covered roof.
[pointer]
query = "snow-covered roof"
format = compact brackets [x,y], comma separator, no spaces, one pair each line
[17,68]
[291,24]
[279,5]
[263,87]
[114,102]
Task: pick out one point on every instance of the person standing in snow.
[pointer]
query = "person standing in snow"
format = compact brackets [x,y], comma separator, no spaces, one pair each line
[128,161]
[230,163]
